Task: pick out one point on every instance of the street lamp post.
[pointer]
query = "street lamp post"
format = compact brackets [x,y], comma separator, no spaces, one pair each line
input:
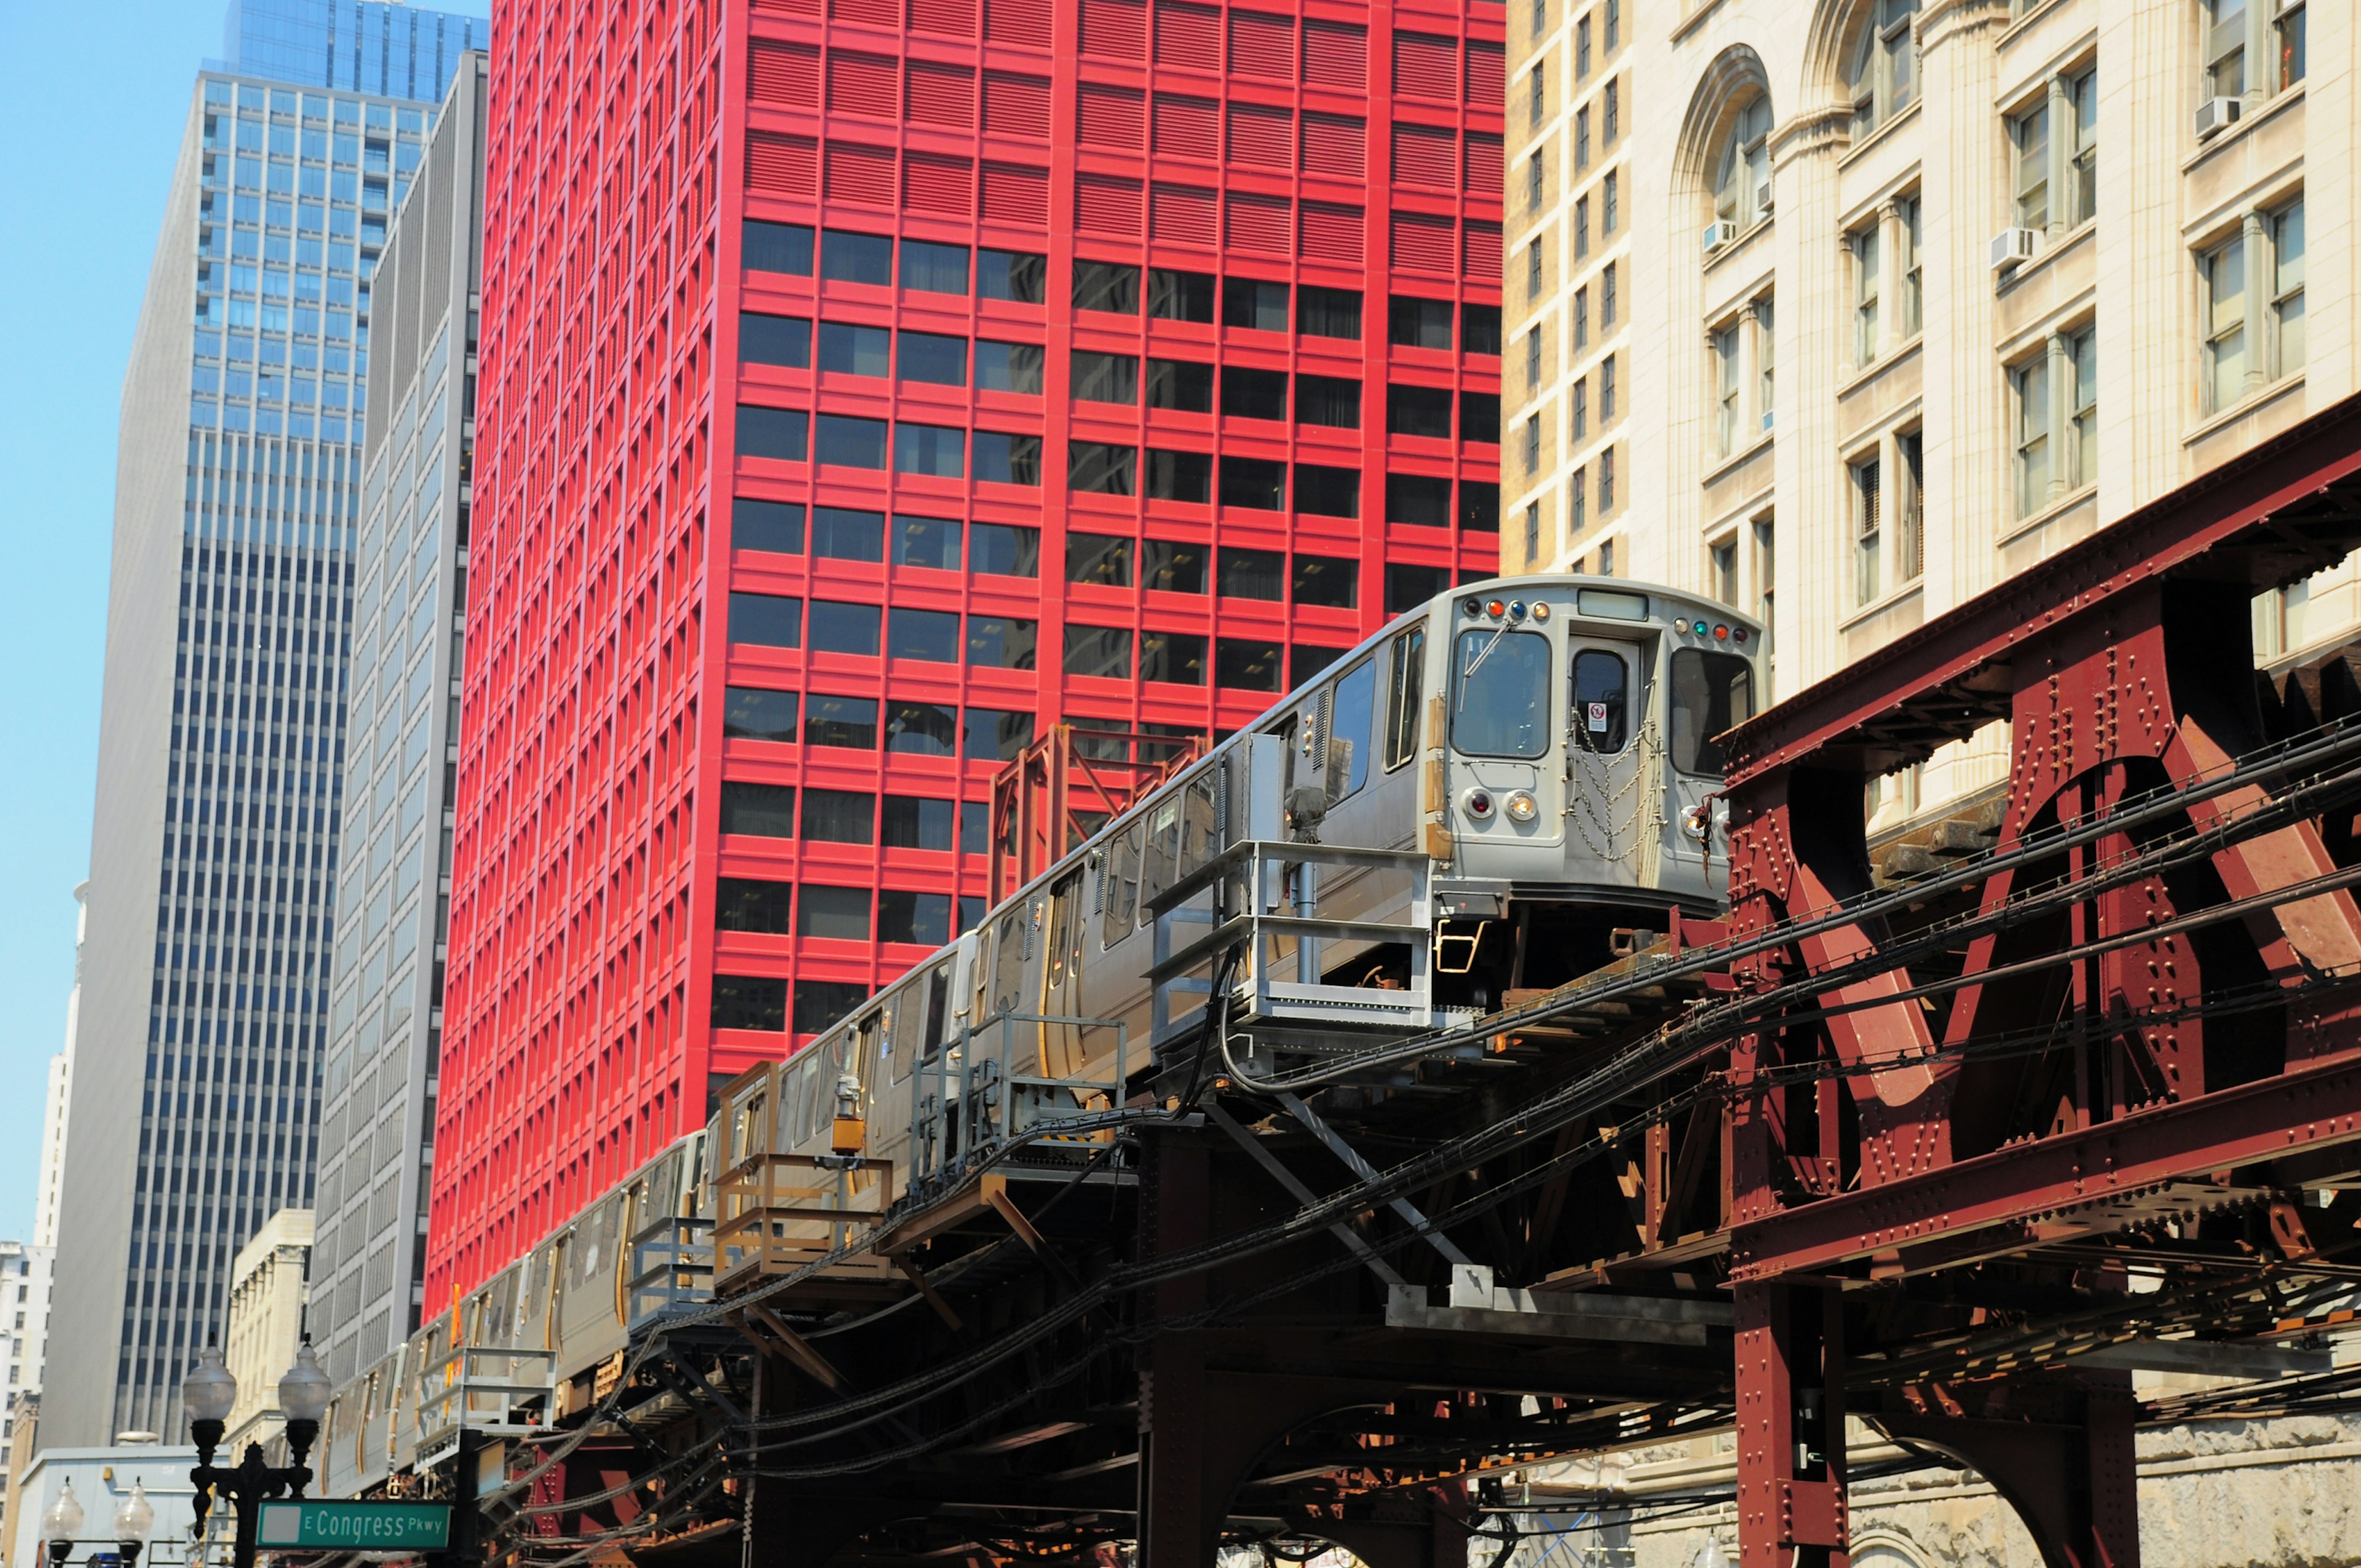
[61,1524]
[208,1394]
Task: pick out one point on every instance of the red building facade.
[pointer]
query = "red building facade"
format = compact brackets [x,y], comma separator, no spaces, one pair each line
[864,388]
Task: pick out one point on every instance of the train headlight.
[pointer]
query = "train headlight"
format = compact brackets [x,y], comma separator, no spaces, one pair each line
[1520,805]
[1479,803]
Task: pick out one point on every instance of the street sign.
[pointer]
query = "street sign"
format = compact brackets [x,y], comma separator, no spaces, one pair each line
[365,1527]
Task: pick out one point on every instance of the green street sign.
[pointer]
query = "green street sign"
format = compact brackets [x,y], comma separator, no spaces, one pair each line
[362,1527]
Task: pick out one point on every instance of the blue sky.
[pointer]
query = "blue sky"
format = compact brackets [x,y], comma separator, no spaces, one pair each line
[94,107]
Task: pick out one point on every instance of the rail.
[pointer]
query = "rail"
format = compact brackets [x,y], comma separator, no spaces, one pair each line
[991,1087]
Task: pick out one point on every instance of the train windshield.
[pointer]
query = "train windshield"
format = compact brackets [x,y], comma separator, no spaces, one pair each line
[1711,693]
[1499,703]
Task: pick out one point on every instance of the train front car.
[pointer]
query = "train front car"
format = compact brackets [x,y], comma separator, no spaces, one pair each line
[1572,771]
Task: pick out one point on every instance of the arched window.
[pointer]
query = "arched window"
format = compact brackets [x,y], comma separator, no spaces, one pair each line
[1883,73]
[1741,180]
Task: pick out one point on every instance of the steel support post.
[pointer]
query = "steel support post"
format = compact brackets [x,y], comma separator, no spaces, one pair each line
[1791,1428]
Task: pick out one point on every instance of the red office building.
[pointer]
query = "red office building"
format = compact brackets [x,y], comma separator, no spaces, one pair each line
[866,386]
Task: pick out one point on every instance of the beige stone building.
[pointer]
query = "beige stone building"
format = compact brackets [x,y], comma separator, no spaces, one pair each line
[1568,210]
[1913,293]
[269,1295]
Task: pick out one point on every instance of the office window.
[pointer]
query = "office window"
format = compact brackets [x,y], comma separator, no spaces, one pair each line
[1104,378]
[1765,540]
[775,527]
[2225,272]
[766,620]
[1253,574]
[1254,394]
[1607,390]
[1254,303]
[849,257]
[932,635]
[1868,537]
[1907,508]
[1479,416]
[835,913]
[847,350]
[2226,48]
[1423,411]
[918,919]
[1479,329]
[776,247]
[2030,383]
[1581,227]
[994,734]
[1101,468]
[1016,275]
[849,443]
[839,816]
[844,533]
[1328,313]
[1607,482]
[1882,74]
[1533,182]
[1721,569]
[2082,371]
[1577,402]
[1534,360]
[931,268]
[1766,364]
[1325,491]
[1180,384]
[779,435]
[1005,460]
[1180,476]
[929,541]
[1102,652]
[1008,368]
[1002,643]
[1536,96]
[1421,499]
[2082,151]
[1247,663]
[1725,390]
[758,713]
[1540,17]
[774,340]
[747,1001]
[1582,49]
[916,822]
[1742,177]
[1004,550]
[1179,296]
[1577,502]
[2029,134]
[1331,402]
[1608,202]
[1909,268]
[1103,560]
[933,358]
[1582,138]
[2288,38]
[838,627]
[758,810]
[1109,286]
[1605,296]
[1533,442]
[1332,582]
[1533,272]
[1255,484]
[741,904]
[1173,567]
[1479,507]
[1866,286]
[1532,532]
[1177,658]
[1418,324]
[939,450]
[1610,112]
[1612,27]
[822,1005]
[2287,290]
[1582,318]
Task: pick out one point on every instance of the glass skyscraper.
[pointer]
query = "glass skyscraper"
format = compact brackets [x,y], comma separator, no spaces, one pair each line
[195,1115]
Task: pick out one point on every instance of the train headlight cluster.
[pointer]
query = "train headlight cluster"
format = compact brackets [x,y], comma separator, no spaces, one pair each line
[1720,631]
[1479,803]
[1508,610]
[1520,805]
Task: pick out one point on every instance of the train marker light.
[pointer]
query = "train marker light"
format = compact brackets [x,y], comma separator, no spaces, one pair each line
[1520,805]
[1479,802]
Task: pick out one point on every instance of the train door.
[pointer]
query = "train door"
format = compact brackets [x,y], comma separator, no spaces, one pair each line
[1711,691]
[1061,980]
[1607,807]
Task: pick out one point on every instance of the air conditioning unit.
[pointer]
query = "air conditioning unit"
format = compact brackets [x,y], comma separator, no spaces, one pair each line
[1718,232]
[2011,247]
[1762,197]
[2215,115]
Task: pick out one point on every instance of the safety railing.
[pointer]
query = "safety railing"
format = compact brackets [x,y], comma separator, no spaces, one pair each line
[992,1087]
[672,1268]
[1262,897]
[778,1213]
[481,1388]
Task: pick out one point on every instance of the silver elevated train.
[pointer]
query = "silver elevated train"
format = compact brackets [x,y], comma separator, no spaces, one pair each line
[1484,798]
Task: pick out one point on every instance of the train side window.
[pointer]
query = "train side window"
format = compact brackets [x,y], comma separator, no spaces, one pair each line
[1711,693]
[939,1006]
[1352,717]
[1502,706]
[909,1018]
[1601,696]
[1160,870]
[1407,664]
[1122,884]
[1008,963]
